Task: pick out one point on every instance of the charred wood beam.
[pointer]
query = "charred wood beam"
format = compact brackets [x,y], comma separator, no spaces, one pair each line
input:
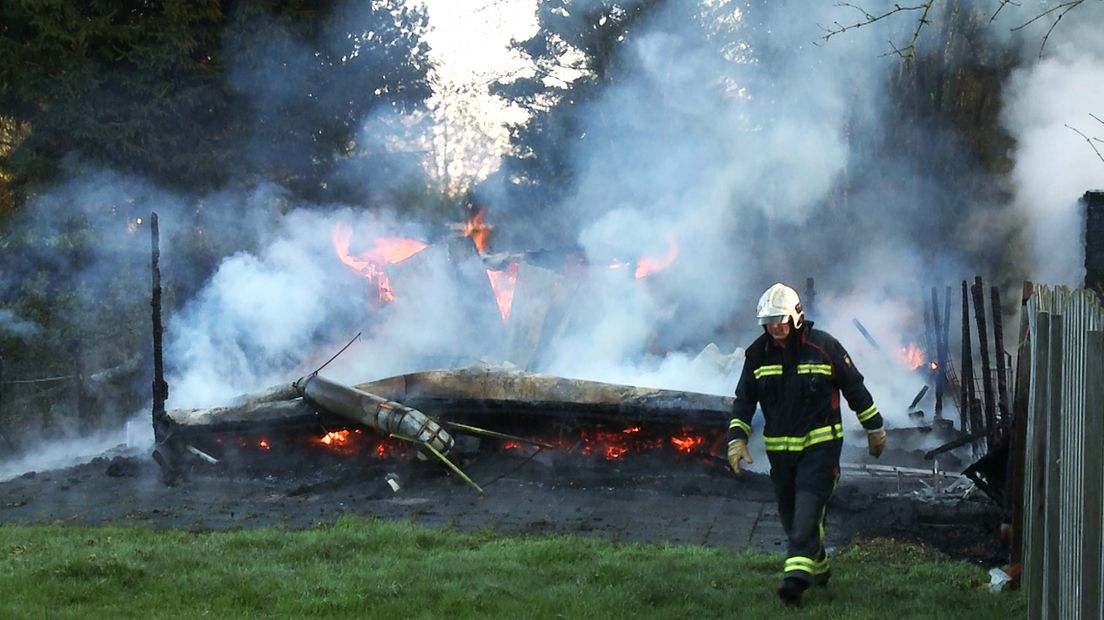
[944,351]
[954,443]
[966,378]
[923,390]
[939,373]
[160,387]
[1018,453]
[865,334]
[1002,370]
[166,453]
[989,403]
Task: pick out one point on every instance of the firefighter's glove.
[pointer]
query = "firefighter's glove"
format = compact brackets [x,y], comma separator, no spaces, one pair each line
[737,451]
[875,441]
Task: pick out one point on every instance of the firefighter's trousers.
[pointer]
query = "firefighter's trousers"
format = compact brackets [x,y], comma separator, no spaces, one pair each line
[803,483]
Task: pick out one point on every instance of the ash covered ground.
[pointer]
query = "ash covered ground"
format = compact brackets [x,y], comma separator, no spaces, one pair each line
[643,497]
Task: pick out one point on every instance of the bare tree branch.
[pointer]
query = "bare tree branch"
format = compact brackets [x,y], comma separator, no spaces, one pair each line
[1003,3]
[908,51]
[1089,140]
[1060,9]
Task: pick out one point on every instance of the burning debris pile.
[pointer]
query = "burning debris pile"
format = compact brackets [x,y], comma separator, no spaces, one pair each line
[421,412]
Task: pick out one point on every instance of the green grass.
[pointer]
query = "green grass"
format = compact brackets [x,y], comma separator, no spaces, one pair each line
[376,569]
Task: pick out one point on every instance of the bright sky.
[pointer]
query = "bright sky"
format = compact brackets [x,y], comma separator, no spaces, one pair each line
[472,37]
[470,42]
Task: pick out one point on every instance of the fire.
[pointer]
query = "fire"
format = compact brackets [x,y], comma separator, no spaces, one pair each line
[479,231]
[335,438]
[647,265]
[263,444]
[686,444]
[911,355]
[503,282]
[615,452]
[370,263]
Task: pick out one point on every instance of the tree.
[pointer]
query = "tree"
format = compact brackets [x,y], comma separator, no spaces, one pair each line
[575,56]
[198,94]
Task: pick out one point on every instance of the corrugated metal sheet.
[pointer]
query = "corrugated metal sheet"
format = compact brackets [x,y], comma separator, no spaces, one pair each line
[1062,461]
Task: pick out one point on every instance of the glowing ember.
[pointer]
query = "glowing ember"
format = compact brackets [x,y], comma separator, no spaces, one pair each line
[263,444]
[615,452]
[911,355]
[381,450]
[479,231]
[648,265]
[933,365]
[335,438]
[370,263]
[686,444]
[503,282]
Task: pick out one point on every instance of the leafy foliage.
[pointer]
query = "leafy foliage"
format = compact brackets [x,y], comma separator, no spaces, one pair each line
[194,94]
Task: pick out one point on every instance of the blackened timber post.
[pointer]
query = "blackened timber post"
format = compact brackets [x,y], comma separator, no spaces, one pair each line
[166,452]
[967,375]
[992,431]
[937,375]
[160,388]
[1002,369]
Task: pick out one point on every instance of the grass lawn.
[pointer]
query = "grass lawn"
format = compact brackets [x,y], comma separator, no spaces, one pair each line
[376,569]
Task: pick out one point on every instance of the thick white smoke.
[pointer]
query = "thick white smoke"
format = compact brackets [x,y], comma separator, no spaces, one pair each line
[1047,100]
[738,159]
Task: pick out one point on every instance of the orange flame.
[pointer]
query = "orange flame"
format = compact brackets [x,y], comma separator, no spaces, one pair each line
[647,265]
[370,263]
[911,355]
[263,444]
[686,444]
[503,283]
[479,231]
[335,438]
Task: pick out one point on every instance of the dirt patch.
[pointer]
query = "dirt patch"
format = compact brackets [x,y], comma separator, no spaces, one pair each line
[640,498]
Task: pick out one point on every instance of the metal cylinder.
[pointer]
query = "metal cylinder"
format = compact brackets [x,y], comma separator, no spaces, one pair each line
[385,416]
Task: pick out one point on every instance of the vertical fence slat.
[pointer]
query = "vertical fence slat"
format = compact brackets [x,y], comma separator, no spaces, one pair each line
[1093,504]
[1036,458]
[1063,511]
[1052,485]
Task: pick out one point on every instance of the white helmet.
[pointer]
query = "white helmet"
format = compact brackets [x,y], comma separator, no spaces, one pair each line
[779,303]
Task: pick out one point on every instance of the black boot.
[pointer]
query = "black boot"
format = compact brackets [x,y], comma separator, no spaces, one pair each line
[822,579]
[790,590]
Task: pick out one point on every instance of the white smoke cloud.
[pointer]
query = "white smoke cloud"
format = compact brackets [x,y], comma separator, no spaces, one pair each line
[1046,100]
[14,325]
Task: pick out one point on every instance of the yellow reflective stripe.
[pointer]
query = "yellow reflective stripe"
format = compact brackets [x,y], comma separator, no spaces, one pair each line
[814,369]
[806,565]
[765,371]
[867,413]
[740,424]
[797,444]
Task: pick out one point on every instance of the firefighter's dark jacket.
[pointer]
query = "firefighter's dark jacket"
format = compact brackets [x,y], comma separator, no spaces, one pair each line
[798,387]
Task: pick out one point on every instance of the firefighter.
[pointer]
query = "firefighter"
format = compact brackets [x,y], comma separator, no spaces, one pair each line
[795,374]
